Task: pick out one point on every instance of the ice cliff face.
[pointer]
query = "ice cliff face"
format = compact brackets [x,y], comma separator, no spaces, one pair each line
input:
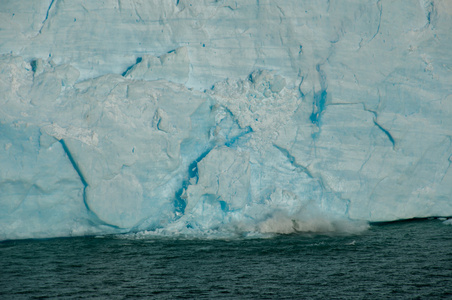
[222,117]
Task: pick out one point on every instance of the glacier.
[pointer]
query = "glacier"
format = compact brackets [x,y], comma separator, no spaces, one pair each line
[222,118]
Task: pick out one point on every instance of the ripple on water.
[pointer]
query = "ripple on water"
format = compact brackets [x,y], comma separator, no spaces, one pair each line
[397,260]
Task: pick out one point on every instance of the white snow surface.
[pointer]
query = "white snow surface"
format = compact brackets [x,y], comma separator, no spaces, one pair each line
[222,118]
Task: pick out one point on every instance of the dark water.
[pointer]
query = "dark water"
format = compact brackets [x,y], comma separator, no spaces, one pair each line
[403,260]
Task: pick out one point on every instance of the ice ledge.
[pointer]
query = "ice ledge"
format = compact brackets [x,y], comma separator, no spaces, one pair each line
[172,66]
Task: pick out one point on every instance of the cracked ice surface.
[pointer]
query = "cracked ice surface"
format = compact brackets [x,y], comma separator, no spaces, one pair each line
[222,118]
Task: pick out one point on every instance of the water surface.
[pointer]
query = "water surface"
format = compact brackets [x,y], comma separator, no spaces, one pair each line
[403,260]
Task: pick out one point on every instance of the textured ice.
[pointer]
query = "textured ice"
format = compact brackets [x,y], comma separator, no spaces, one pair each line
[222,118]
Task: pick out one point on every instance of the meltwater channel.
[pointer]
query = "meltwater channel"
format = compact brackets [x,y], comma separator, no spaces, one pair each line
[401,260]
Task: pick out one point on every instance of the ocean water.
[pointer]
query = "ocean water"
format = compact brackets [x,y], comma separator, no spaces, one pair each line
[403,260]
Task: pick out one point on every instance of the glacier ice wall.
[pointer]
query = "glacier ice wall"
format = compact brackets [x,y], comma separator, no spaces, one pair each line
[222,117]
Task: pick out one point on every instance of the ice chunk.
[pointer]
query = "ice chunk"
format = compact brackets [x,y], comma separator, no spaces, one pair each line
[225,175]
